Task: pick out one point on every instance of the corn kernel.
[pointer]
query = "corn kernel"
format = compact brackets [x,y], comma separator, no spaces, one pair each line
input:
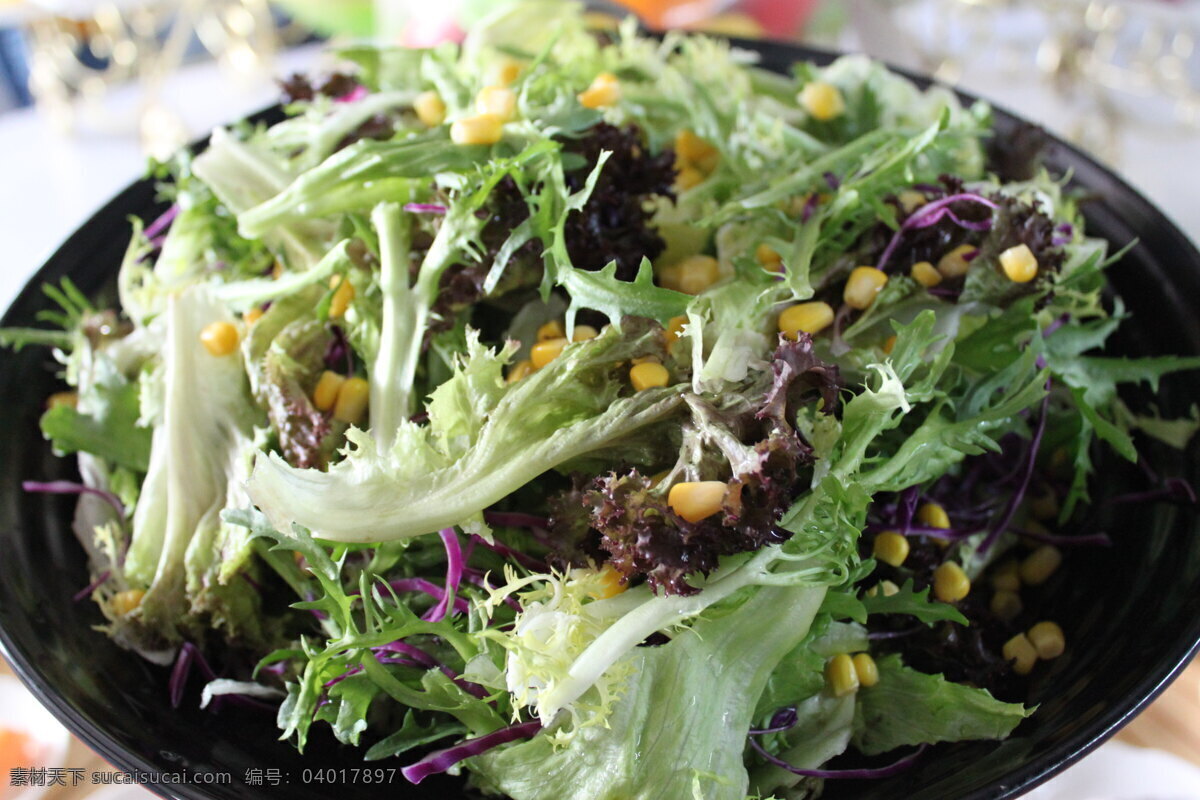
[889,344]
[583,332]
[932,515]
[342,295]
[925,274]
[910,200]
[1039,565]
[430,108]
[688,177]
[1021,652]
[220,338]
[1007,576]
[1006,604]
[659,477]
[697,273]
[252,316]
[770,260]
[644,360]
[823,100]
[955,264]
[496,101]
[64,399]
[862,286]
[352,400]
[696,500]
[950,583]
[866,669]
[675,328]
[693,150]
[326,392]
[125,602]
[840,676]
[551,330]
[519,370]
[1044,505]
[811,318]
[546,351]
[612,583]
[277,271]
[888,588]
[891,548]
[480,129]
[505,72]
[648,376]
[599,21]
[1019,264]
[1047,638]
[604,91]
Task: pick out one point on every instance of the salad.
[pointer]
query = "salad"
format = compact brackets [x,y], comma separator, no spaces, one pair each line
[601,416]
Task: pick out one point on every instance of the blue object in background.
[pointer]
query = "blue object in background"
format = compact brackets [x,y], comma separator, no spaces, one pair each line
[14,70]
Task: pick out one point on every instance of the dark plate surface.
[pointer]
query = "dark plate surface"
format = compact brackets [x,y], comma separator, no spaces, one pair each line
[1131,612]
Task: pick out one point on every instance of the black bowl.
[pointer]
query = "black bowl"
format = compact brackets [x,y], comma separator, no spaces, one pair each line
[1131,612]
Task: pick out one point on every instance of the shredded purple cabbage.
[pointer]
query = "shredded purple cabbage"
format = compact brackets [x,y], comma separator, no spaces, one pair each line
[810,205]
[189,654]
[339,354]
[430,588]
[895,768]
[832,181]
[352,96]
[86,591]
[160,225]
[442,760]
[1173,490]
[1090,539]
[70,487]
[419,657]
[1014,501]
[425,208]
[454,569]
[931,214]
[784,720]
[529,562]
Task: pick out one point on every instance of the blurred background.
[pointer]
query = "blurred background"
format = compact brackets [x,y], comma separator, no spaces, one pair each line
[89,90]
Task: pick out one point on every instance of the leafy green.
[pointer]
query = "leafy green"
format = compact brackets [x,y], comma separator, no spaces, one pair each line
[914,603]
[106,424]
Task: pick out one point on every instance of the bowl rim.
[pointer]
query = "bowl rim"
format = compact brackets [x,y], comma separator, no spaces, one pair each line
[774,55]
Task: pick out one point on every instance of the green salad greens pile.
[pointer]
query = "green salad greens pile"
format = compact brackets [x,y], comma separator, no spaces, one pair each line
[601,416]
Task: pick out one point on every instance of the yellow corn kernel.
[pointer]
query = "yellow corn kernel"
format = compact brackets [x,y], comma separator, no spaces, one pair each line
[1019,264]
[866,669]
[644,360]
[1021,652]
[696,500]
[430,108]
[910,200]
[277,271]
[812,317]
[955,264]
[1007,576]
[697,273]
[840,675]
[519,370]
[691,149]
[604,91]
[342,295]
[480,129]
[65,399]
[675,328]
[891,548]
[888,588]
[599,21]
[1044,505]
[325,394]
[546,351]
[862,286]
[823,100]
[889,344]
[1006,604]
[611,583]
[659,477]
[668,276]
[220,338]
[926,274]
[1039,565]
[583,332]
[950,583]
[551,330]
[688,177]
[252,315]
[932,515]
[352,400]
[648,376]
[771,261]
[504,72]
[497,101]
[1047,638]
[126,601]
